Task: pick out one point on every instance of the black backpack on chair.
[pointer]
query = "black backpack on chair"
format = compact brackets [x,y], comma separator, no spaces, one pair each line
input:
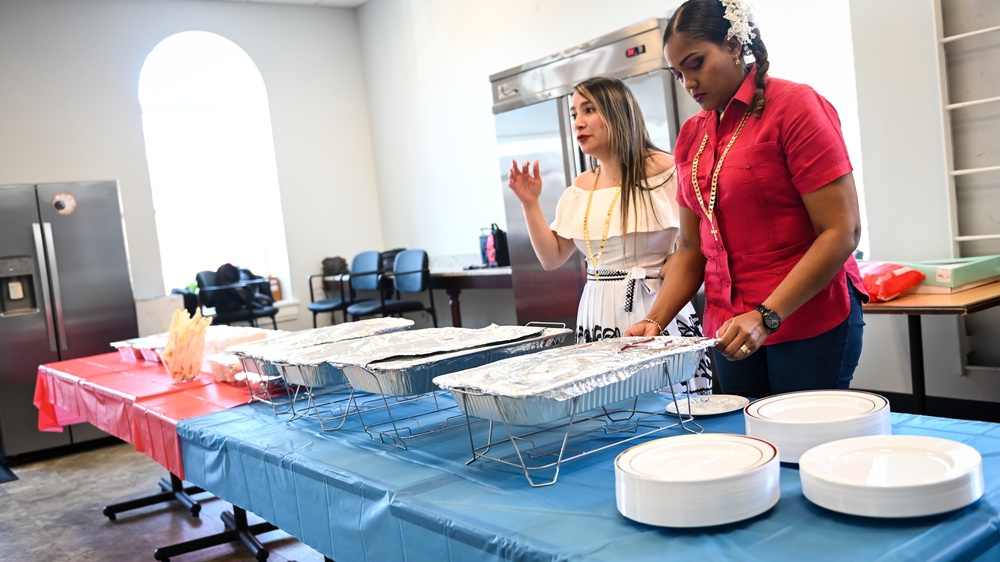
[229,300]
[335,266]
[239,298]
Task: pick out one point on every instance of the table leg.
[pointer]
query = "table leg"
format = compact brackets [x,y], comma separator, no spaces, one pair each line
[237,530]
[172,490]
[456,311]
[917,363]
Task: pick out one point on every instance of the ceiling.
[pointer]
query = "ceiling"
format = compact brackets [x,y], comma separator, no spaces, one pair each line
[327,3]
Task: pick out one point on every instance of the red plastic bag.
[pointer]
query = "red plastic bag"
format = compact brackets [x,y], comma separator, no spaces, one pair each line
[885,281]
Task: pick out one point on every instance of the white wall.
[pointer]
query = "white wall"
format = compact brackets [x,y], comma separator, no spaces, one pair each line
[69,111]
[899,105]
[903,140]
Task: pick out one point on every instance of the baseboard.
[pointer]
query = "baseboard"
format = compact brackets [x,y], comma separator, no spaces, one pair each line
[288,311]
[956,408]
[45,454]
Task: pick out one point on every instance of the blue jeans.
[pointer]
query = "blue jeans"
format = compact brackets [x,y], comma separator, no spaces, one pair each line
[826,361]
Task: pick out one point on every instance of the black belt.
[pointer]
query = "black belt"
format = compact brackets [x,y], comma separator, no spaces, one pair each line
[617,275]
[606,275]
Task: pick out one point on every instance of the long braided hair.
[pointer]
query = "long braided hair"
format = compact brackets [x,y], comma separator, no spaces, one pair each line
[629,140]
[705,20]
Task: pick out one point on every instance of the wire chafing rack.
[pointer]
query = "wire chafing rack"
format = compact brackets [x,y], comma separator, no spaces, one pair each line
[540,432]
[412,405]
[542,449]
[401,418]
[385,379]
[267,385]
[264,370]
[391,390]
[391,418]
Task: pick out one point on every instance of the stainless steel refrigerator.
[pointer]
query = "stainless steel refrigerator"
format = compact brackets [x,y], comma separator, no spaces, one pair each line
[531,107]
[65,292]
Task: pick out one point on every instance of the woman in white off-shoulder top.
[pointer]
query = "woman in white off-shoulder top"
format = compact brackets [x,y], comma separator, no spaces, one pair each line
[633,183]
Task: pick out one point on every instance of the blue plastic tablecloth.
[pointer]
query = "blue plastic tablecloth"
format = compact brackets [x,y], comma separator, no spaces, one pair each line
[352,497]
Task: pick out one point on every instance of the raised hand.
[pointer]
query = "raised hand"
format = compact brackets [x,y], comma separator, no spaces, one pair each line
[526,184]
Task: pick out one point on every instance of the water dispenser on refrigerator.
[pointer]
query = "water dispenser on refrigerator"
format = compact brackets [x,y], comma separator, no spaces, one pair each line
[17,294]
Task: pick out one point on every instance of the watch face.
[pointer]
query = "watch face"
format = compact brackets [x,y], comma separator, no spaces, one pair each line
[771,320]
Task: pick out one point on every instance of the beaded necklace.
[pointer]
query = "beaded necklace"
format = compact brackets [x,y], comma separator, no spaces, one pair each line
[710,209]
[594,259]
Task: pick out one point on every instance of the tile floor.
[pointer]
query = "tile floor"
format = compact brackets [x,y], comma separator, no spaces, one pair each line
[53,512]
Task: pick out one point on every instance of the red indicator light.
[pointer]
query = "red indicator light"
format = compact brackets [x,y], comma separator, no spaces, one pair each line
[633,51]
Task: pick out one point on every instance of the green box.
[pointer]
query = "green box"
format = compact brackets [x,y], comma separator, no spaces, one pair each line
[958,271]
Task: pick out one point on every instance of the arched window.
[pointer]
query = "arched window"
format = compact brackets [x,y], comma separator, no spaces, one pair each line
[210,152]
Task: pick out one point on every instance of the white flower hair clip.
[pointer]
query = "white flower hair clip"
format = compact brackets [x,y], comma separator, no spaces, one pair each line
[739,15]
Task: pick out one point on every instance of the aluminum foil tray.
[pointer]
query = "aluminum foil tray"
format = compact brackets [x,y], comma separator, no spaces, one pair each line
[145,347]
[324,365]
[217,338]
[628,371]
[315,375]
[264,357]
[252,365]
[413,376]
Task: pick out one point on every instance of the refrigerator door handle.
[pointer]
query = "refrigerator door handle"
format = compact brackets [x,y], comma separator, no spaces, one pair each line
[43,270]
[56,296]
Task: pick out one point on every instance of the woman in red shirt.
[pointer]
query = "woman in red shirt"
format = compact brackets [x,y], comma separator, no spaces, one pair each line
[769,213]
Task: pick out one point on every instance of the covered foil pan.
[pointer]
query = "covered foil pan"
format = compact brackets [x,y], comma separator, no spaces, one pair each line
[556,383]
[261,357]
[313,375]
[412,376]
[145,347]
[326,365]
[217,338]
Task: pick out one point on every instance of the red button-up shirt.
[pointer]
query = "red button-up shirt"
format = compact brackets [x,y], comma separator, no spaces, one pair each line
[764,229]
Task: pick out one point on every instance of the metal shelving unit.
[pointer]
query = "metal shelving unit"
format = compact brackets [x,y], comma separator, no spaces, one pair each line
[968,42]
[968,56]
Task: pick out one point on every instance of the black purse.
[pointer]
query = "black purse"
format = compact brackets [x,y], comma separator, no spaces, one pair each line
[493,247]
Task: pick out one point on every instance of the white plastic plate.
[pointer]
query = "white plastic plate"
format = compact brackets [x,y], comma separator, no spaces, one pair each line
[709,405]
[817,406]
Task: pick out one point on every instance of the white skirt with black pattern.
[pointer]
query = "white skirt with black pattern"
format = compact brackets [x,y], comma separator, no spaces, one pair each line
[602,314]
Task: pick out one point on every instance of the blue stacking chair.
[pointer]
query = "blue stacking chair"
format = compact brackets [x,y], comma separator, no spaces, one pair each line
[362,263]
[410,275]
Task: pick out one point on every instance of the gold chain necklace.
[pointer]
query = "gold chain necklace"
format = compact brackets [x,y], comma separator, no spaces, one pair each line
[710,210]
[594,259]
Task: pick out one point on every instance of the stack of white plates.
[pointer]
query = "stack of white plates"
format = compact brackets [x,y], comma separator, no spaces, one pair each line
[697,480]
[892,475]
[798,421]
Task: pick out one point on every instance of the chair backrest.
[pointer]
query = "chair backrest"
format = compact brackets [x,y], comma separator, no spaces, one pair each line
[365,274]
[410,272]
[205,279]
[230,299]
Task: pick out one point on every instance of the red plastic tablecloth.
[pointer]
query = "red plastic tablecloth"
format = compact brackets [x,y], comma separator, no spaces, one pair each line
[154,419]
[136,401]
[56,394]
